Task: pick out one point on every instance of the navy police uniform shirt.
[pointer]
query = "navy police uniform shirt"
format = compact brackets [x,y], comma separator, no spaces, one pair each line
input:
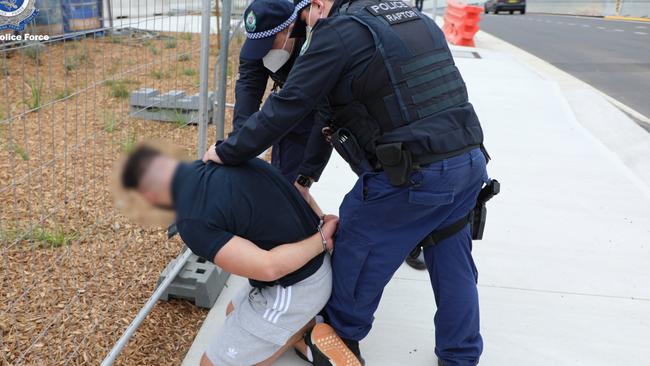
[249,91]
[213,203]
[339,50]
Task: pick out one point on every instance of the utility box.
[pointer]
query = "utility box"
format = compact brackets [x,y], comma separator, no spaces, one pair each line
[81,15]
[199,280]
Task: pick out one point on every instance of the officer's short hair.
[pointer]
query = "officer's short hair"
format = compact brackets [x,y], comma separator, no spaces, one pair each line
[137,164]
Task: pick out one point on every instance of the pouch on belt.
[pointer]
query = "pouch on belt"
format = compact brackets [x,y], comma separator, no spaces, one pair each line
[396,161]
[348,147]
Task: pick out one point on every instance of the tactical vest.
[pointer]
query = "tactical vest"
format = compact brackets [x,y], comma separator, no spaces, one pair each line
[412,91]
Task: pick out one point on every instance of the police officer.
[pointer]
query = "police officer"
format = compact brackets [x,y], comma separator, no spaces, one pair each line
[402,119]
[288,154]
[270,52]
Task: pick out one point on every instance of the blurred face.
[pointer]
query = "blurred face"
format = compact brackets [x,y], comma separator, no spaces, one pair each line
[155,184]
[148,187]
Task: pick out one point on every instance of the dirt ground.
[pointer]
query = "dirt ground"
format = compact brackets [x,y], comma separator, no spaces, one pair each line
[73,272]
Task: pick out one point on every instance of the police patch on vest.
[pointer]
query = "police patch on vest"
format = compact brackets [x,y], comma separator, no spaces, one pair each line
[393,11]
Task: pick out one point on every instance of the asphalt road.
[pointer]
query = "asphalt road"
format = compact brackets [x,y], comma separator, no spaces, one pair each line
[612,56]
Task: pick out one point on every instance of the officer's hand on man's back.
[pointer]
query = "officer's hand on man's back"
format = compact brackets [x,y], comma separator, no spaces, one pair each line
[211,155]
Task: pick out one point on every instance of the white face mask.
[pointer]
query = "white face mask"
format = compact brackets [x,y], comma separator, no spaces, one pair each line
[275,59]
[310,27]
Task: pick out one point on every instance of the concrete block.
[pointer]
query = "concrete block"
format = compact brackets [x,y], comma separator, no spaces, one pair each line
[168,99]
[143,97]
[199,281]
[173,106]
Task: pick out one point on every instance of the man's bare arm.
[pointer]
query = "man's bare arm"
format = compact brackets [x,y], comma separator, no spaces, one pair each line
[244,258]
[314,206]
[306,195]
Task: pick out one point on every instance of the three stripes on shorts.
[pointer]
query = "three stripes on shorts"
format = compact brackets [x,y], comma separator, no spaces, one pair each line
[281,305]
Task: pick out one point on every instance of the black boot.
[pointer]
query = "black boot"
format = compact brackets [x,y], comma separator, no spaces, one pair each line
[303,357]
[416,260]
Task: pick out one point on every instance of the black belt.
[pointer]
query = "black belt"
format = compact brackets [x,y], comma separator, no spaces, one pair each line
[420,161]
[426,159]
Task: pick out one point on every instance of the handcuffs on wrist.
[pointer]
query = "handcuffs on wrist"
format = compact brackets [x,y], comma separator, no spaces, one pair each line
[320,230]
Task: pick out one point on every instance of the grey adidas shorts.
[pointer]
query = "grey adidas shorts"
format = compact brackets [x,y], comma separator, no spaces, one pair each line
[264,319]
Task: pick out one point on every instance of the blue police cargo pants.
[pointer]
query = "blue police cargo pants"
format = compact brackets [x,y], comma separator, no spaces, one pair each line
[380,224]
[287,156]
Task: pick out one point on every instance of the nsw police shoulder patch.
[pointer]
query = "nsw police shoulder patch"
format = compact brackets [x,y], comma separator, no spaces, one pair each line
[251,22]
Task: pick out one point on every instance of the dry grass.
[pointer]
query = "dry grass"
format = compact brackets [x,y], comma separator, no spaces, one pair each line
[73,273]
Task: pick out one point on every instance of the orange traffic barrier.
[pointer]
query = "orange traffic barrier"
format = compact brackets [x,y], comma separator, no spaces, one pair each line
[461,23]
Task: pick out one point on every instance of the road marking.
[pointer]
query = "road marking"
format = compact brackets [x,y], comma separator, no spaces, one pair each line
[586,26]
[641,33]
[640,27]
[618,30]
[559,22]
[629,19]
[602,28]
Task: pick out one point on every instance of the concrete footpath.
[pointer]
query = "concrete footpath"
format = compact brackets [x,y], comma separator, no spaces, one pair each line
[564,270]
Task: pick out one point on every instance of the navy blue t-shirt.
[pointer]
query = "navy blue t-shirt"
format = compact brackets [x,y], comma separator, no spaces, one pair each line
[213,203]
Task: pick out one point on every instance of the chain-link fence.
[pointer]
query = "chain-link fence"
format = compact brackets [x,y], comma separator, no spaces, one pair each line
[73,271]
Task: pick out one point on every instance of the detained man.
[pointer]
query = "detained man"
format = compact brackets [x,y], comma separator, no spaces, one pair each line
[250,221]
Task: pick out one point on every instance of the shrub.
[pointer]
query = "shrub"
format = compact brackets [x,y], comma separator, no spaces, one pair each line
[34,50]
[128,143]
[118,88]
[36,94]
[18,150]
[62,94]
[157,74]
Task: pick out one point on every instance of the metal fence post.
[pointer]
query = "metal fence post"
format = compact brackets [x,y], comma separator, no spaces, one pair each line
[220,115]
[204,71]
